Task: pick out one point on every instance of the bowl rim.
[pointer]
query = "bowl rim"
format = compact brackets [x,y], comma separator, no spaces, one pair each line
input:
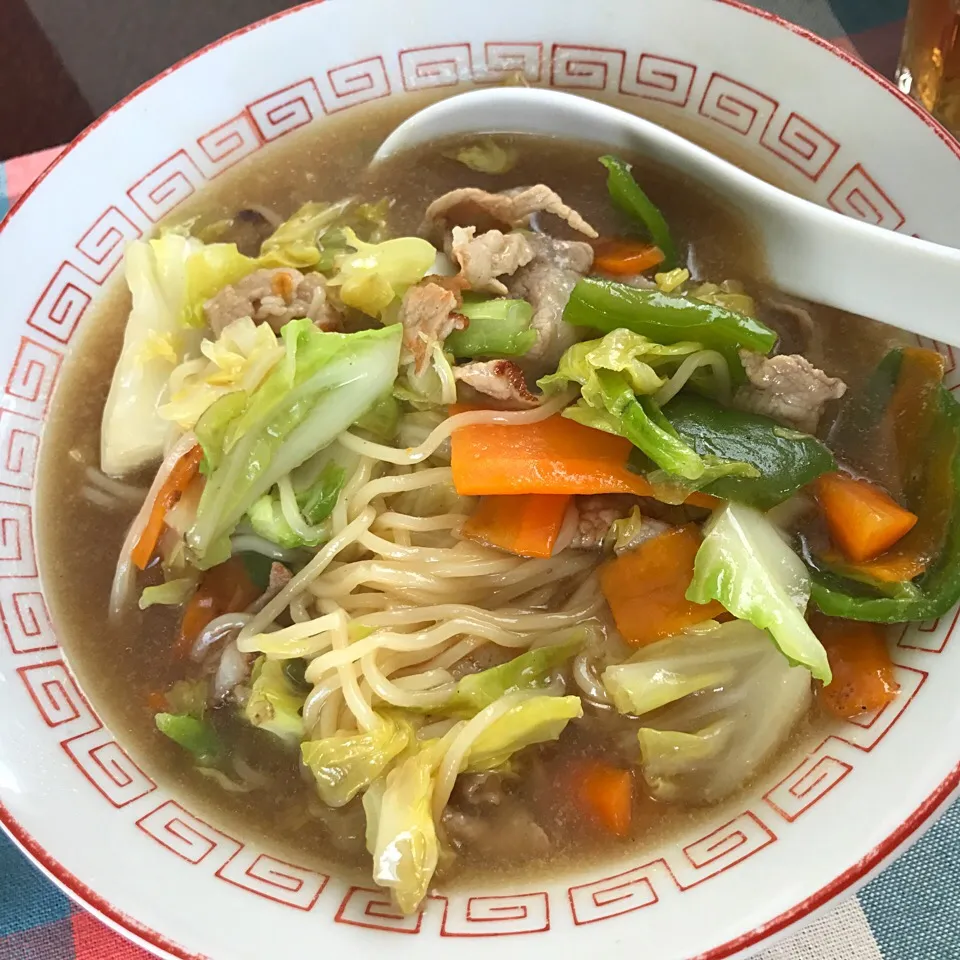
[847,882]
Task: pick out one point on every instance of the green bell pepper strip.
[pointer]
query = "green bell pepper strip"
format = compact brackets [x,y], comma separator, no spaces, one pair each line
[605,305]
[784,460]
[613,407]
[497,328]
[626,194]
[937,590]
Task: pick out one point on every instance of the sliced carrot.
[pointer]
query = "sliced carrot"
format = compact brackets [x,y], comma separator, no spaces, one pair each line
[646,588]
[623,258]
[526,525]
[864,521]
[605,794]
[156,701]
[555,455]
[863,680]
[183,472]
[226,588]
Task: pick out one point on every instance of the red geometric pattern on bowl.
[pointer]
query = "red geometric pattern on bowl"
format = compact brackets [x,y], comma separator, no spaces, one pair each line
[63,303]
[789,137]
[440,65]
[32,378]
[86,741]
[228,144]
[19,445]
[719,851]
[101,247]
[508,59]
[286,110]
[166,186]
[355,83]
[859,195]
[26,620]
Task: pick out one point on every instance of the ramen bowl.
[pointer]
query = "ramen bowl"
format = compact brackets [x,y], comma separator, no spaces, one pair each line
[110,827]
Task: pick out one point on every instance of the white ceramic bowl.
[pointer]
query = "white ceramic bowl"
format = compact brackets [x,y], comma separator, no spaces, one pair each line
[98,818]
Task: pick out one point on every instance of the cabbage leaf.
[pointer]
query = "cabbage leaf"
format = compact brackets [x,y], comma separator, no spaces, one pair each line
[324,382]
[376,274]
[617,376]
[315,235]
[528,671]
[744,563]
[644,363]
[715,704]
[401,834]
[346,764]
[535,719]
[239,359]
[274,704]
[171,594]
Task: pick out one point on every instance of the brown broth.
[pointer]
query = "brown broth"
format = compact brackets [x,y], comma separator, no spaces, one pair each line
[120,664]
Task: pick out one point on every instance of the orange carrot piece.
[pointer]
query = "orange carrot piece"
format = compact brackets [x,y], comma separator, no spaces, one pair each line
[605,794]
[526,525]
[646,588]
[156,701]
[624,258]
[225,588]
[183,472]
[863,680]
[556,455]
[863,520]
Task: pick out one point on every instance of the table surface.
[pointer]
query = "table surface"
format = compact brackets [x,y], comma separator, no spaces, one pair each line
[63,62]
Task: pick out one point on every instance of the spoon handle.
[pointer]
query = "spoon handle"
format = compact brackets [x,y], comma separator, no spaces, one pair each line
[810,251]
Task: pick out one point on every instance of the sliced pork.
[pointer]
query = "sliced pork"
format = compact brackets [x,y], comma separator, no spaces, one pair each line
[274,297]
[787,388]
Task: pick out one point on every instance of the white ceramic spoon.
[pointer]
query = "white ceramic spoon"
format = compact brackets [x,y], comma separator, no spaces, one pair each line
[810,251]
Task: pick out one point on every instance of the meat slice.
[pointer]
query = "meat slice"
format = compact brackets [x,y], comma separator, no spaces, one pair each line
[546,282]
[503,833]
[428,317]
[598,513]
[471,206]
[501,379]
[482,259]
[273,297]
[787,388]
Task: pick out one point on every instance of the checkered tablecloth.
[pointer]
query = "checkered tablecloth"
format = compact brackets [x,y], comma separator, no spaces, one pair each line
[910,912]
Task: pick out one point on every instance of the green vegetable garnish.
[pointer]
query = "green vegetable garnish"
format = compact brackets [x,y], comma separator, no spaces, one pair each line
[626,194]
[667,318]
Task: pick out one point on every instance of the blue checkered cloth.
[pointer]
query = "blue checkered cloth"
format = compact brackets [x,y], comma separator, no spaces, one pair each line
[910,912]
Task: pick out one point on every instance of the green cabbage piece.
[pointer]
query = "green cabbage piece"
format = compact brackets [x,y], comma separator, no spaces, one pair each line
[716,703]
[239,359]
[486,156]
[744,563]
[377,274]
[644,363]
[401,834]
[154,341]
[533,720]
[267,519]
[346,764]
[315,235]
[274,704]
[617,375]
[171,594]
[639,687]
[316,503]
[195,735]
[497,328]
[529,671]
[382,420]
[322,385]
